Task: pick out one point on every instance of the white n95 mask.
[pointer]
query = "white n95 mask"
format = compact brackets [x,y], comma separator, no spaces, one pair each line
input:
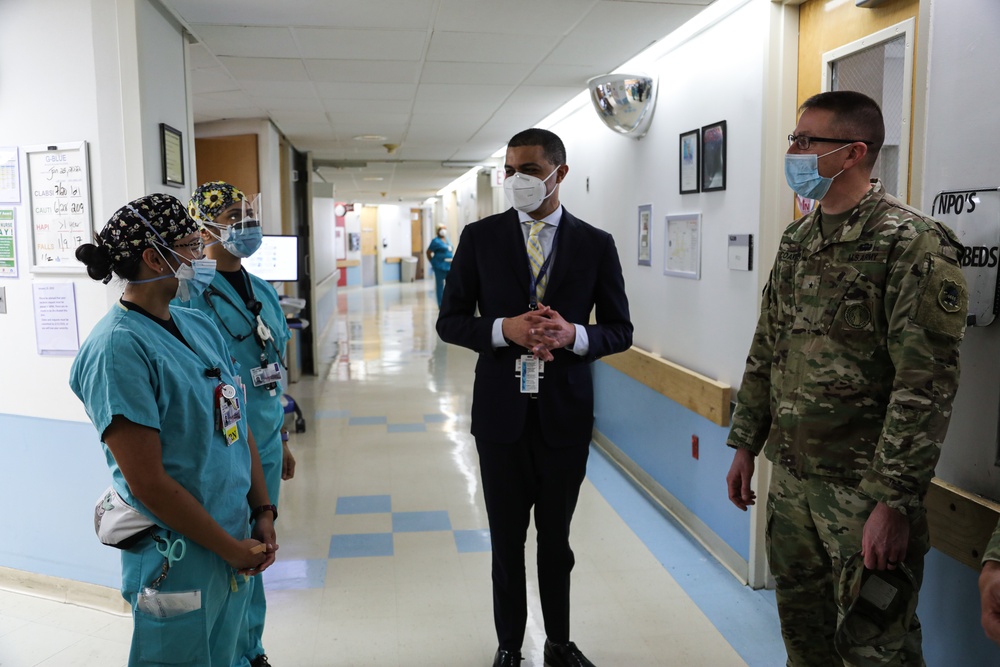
[526,193]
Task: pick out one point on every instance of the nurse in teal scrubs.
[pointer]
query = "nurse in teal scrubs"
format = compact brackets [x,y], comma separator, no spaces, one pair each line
[247,312]
[161,388]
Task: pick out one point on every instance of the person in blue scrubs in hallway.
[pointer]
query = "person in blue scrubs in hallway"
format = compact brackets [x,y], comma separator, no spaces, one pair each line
[439,254]
[159,385]
[247,312]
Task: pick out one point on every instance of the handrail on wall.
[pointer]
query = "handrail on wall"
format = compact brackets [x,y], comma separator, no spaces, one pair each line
[696,392]
[961,523]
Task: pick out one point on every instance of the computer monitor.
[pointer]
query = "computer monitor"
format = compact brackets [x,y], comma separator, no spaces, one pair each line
[277,259]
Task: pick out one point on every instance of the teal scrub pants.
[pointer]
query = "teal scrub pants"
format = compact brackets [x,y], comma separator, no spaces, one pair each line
[439,278]
[206,636]
[252,646]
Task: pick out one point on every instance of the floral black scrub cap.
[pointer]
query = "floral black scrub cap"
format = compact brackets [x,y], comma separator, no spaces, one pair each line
[211,199]
[127,233]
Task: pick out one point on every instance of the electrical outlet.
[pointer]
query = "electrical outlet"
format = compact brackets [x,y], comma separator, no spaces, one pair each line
[694,446]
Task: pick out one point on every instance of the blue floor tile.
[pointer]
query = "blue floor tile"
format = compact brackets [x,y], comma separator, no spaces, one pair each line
[406,428]
[364,505]
[295,574]
[435,419]
[747,620]
[359,546]
[472,541]
[332,414]
[413,522]
[367,421]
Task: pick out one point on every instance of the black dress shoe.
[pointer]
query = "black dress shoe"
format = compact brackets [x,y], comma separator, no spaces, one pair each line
[505,658]
[565,655]
[260,661]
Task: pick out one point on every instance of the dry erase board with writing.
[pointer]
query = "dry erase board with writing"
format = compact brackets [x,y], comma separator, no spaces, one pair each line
[59,198]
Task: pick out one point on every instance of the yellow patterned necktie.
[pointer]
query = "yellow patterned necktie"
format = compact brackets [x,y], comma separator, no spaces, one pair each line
[537,257]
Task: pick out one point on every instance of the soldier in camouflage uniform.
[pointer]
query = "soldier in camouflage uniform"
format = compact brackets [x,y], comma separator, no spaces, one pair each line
[989,588]
[849,380]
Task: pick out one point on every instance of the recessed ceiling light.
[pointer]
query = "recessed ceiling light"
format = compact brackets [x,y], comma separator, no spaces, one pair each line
[370,137]
[374,178]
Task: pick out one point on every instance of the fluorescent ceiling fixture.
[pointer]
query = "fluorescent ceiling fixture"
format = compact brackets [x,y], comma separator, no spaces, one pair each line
[374,178]
[370,137]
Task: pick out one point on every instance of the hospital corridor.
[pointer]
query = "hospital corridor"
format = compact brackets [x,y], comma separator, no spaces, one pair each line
[384,555]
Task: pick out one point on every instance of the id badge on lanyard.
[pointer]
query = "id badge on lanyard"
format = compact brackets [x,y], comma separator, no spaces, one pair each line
[266,374]
[227,403]
[529,370]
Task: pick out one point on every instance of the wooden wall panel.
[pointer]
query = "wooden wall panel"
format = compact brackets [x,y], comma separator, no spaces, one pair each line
[231,159]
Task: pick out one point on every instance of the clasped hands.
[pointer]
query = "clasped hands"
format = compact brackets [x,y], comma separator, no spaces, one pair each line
[540,331]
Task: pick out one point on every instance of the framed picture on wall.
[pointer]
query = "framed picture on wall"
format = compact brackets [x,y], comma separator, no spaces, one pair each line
[713,157]
[646,235]
[682,246]
[171,155]
[689,153]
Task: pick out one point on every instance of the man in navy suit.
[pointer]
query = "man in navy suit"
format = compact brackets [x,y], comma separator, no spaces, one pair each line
[534,273]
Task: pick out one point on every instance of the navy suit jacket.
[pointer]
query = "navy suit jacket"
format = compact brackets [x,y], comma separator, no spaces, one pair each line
[489,278]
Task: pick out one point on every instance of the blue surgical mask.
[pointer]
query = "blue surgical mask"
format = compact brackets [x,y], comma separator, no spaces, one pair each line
[802,174]
[192,279]
[241,239]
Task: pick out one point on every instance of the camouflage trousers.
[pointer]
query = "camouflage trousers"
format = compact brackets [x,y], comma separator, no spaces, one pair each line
[814,525]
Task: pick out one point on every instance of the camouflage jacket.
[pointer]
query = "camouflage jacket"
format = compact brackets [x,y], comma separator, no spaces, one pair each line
[854,363]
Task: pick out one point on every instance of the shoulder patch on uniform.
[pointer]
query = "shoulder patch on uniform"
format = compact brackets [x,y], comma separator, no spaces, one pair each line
[857,316]
[950,296]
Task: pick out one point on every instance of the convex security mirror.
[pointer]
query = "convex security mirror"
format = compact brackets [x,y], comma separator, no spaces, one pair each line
[624,102]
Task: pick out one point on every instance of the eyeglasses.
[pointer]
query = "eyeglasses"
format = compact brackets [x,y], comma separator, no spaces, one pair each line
[803,141]
[197,247]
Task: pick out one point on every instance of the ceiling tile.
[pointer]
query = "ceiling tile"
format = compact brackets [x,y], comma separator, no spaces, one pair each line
[480,47]
[198,57]
[313,105]
[265,69]
[563,75]
[366,91]
[280,89]
[644,23]
[289,116]
[512,17]
[363,71]
[348,104]
[495,73]
[341,13]
[327,70]
[373,116]
[356,44]
[230,40]
[212,80]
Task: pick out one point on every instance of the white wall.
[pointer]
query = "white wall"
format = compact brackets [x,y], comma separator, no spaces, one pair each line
[84,88]
[705,325]
[961,151]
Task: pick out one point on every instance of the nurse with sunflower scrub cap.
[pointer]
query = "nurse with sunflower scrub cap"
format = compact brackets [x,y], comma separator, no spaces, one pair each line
[249,316]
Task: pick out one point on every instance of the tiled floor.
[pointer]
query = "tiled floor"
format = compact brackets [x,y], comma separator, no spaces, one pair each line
[384,556]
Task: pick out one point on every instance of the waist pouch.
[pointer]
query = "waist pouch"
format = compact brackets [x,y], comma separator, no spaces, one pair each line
[117,523]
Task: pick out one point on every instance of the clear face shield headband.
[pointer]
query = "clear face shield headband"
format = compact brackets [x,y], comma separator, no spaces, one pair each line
[244,234]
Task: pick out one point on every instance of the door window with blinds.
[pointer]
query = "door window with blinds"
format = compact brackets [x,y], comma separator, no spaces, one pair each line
[881,66]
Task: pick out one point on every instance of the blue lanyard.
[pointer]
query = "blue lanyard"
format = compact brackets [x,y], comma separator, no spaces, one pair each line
[542,270]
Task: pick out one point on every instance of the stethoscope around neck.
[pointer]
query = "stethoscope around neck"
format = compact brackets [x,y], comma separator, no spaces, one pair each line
[259,330]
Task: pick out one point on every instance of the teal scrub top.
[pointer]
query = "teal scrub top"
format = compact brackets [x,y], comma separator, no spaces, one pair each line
[131,366]
[224,306]
[440,252]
